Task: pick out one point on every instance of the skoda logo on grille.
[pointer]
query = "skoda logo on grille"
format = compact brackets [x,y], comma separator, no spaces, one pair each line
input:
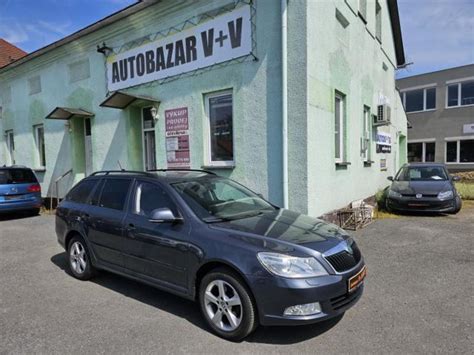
[349,249]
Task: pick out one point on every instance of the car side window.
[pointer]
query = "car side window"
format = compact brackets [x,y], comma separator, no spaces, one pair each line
[150,197]
[114,193]
[81,192]
[94,200]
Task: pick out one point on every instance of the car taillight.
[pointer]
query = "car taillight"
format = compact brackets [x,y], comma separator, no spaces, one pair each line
[34,188]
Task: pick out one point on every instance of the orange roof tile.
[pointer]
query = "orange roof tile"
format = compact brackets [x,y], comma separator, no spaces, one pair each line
[9,53]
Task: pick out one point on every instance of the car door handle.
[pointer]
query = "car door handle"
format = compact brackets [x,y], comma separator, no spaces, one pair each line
[130,229]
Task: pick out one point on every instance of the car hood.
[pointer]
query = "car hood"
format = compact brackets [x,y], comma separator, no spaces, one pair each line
[421,187]
[288,227]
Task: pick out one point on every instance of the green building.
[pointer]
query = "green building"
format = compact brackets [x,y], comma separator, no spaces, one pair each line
[295,99]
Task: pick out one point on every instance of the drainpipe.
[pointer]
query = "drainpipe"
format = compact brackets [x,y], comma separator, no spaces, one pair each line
[284,99]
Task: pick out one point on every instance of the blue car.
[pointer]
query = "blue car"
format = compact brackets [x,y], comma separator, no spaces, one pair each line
[19,190]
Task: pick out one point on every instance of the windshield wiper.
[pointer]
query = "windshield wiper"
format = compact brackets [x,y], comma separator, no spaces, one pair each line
[234,217]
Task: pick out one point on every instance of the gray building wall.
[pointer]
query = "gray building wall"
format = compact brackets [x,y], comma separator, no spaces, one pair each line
[443,123]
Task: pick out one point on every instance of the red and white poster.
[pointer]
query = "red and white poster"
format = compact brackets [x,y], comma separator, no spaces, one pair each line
[177,138]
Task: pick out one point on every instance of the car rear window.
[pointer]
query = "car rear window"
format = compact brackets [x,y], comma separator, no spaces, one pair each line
[81,191]
[17,176]
[114,193]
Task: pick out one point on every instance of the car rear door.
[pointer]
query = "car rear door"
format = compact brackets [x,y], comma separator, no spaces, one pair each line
[104,218]
[156,250]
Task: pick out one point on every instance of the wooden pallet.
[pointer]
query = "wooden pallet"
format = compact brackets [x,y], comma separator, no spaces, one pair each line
[354,218]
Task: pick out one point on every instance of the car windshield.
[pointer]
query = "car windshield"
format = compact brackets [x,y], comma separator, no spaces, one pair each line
[17,176]
[218,199]
[422,173]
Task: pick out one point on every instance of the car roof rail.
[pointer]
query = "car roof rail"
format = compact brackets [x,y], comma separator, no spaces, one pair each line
[112,172]
[184,169]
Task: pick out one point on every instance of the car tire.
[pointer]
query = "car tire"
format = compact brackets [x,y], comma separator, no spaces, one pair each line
[457,205]
[227,304]
[79,260]
[35,212]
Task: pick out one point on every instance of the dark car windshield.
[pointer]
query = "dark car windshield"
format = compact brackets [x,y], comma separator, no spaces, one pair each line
[221,199]
[422,173]
[17,176]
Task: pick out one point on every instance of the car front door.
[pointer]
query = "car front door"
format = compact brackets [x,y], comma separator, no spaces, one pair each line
[156,250]
[104,218]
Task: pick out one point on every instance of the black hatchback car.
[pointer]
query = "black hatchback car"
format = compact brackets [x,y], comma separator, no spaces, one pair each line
[208,238]
[423,187]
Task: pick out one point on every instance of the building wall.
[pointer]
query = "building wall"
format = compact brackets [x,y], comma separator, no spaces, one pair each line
[322,56]
[351,61]
[442,122]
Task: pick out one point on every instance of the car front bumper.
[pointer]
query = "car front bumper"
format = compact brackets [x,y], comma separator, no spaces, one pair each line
[275,294]
[428,204]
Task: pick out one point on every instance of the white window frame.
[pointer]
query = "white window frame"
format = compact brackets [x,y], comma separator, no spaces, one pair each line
[207,131]
[366,137]
[341,98]
[10,142]
[458,149]
[143,136]
[36,128]
[423,149]
[414,88]
[459,83]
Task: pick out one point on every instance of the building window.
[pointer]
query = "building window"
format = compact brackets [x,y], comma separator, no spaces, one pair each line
[220,142]
[460,94]
[421,152]
[365,141]
[339,115]
[149,139]
[10,140]
[460,151]
[363,10]
[34,85]
[378,21]
[40,148]
[419,99]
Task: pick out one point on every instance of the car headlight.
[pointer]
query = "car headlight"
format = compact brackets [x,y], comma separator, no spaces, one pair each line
[394,194]
[291,266]
[444,195]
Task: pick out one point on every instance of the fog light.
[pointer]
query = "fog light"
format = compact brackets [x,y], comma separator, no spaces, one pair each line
[303,309]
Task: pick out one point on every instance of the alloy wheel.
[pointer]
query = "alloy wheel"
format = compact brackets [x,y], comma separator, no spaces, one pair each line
[223,305]
[77,257]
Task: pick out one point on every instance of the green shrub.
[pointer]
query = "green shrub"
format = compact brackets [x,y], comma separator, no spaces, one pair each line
[466,190]
[380,198]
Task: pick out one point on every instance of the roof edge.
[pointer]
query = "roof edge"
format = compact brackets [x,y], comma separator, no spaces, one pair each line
[108,20]
[397,32]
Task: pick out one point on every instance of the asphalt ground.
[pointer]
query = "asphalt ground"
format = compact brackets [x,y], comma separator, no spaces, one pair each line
[419,298]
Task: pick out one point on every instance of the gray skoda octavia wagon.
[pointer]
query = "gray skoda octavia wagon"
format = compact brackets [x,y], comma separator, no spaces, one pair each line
[207,238]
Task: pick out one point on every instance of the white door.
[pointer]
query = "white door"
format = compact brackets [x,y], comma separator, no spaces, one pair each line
[149,139]
[88,146]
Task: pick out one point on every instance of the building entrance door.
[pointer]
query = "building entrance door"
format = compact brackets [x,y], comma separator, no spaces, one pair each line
[149,139]
[88,146]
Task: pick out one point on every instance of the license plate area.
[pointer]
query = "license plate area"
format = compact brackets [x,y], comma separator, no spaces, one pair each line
[12,197]
[356,280]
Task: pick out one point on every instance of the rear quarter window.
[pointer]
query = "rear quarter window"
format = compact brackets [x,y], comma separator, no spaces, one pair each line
[114,193]
[80,193]
[17,176]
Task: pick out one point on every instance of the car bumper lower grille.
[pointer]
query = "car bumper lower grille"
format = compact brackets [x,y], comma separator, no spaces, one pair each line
[346,299]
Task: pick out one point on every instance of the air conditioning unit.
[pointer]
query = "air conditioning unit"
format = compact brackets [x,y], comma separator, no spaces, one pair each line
[383,115]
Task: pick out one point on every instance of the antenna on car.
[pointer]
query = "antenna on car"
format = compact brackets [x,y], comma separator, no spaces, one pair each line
[120,165]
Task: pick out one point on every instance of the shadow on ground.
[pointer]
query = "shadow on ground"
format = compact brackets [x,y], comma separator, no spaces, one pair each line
[190,310]
[11,216]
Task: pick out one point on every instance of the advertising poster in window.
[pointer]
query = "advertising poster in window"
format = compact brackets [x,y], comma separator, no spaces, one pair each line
[177,138]
[383,143]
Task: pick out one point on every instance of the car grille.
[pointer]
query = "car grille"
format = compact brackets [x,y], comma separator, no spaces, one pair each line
[345,300]
[423,195]
[344,260]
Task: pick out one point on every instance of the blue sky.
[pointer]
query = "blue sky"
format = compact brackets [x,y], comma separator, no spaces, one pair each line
[437,34]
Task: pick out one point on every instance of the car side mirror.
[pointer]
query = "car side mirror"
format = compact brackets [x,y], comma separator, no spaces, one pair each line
[456,178]
[163,215]
[390,178]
